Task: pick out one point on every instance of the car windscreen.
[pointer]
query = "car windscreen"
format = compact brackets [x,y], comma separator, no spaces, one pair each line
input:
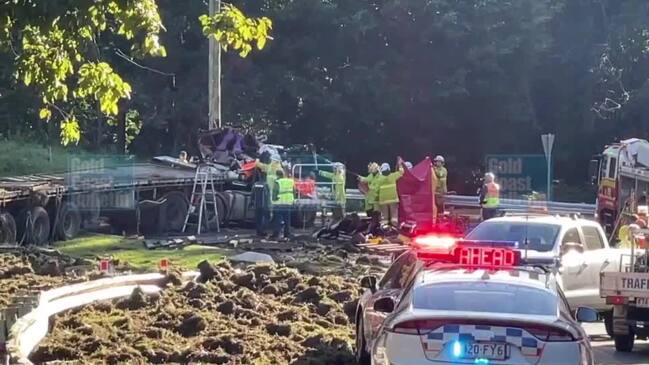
[540,236]
[485,297]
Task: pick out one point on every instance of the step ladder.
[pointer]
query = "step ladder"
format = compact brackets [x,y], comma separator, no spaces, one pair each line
[203,198]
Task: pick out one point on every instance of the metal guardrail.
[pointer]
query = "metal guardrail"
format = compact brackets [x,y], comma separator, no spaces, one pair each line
[508,205]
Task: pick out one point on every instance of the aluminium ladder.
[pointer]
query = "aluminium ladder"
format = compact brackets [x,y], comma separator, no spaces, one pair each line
[203,197]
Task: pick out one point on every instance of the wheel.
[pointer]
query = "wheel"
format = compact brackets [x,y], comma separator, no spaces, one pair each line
[69,223]
[608,323]
[175,211]
[362,356]
[7,228]
[624,343]
[33,226]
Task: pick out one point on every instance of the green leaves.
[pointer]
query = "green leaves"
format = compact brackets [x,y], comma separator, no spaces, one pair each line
[70,131]
[55,52]
[99,82]
[232,28]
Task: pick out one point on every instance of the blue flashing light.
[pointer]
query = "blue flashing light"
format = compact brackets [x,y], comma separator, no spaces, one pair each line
[481,361]
[457,349]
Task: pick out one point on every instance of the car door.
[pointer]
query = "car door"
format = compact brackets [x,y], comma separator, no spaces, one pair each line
[596,258]
[391,285]
[574,278]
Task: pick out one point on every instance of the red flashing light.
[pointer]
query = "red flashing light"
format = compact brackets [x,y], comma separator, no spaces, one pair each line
[432,242]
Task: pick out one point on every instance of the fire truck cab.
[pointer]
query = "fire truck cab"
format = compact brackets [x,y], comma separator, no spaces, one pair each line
[622,175]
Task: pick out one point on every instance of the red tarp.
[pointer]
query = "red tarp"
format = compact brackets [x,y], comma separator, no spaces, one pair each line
[416,194]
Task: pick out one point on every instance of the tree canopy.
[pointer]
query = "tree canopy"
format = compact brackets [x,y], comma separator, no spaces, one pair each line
[57,49]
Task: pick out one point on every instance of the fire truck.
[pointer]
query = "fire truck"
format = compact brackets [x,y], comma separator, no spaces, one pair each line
[622,175]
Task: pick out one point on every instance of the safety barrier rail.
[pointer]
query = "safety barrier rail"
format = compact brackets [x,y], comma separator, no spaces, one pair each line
[508,205]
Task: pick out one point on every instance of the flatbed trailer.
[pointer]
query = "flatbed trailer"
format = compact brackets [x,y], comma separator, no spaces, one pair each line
[40,208]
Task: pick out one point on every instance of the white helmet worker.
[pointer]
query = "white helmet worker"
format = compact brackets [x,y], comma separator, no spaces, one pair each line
[385,167]
[489,177]
[439,158]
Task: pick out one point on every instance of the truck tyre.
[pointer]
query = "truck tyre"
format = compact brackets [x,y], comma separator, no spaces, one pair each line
[7,229]
[624,343]
[69,223]
[175,211]
[36,230]
[608,323]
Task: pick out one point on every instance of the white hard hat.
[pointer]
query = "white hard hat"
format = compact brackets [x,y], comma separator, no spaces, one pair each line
[489,176]
[385,167]
[439,158]
[408,164]
[275,158]
[643,209]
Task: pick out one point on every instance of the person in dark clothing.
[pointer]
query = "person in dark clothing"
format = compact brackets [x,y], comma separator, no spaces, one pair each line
[261,197]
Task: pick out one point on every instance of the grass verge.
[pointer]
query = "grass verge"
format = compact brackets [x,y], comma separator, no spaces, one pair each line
[133,252]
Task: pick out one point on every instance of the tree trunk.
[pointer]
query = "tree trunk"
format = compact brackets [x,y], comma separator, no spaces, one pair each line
[121,129]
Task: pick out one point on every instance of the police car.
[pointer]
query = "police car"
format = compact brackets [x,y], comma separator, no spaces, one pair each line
[464,302]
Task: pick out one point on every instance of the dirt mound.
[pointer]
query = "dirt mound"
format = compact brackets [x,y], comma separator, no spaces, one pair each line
[27,271]
[259,315]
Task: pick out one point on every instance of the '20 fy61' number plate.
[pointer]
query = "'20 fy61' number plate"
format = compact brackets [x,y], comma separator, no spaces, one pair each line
[485,350]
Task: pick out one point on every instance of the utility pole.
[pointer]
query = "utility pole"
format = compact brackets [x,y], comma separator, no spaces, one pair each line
[214,74]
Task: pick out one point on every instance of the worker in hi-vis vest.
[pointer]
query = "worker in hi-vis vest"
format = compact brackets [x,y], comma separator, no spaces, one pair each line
[283,199]
[489,196]
[263,192]
[388,198]
[337,178]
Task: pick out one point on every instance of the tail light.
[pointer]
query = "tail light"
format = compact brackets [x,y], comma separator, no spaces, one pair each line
[541,332]
[417,327]
[549,334]
[616,300]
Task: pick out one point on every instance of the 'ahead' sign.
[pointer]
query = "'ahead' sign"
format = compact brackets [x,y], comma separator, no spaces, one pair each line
[518,175]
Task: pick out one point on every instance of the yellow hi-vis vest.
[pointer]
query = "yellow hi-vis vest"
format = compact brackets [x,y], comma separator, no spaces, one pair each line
[492,197]
[285,194]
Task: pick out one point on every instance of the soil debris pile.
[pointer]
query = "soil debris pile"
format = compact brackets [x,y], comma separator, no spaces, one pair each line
[33,270]
[258,315]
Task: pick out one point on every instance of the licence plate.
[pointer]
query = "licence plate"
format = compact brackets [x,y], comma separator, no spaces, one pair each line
[642,302]
[485,350]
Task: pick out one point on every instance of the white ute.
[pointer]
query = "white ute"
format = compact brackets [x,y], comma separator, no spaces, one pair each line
[580,244]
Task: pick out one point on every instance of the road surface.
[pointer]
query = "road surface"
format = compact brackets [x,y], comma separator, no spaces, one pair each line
[604,348]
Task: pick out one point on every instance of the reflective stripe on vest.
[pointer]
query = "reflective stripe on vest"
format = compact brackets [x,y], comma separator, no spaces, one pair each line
[492,198]
[285,194]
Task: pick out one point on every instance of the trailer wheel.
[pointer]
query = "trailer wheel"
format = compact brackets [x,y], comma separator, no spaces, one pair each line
[7,228]
[69,223]
[624,343]
[176,209]
[36,230]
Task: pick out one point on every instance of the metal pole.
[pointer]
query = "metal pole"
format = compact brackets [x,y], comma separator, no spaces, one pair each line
[214,74]
[549,197]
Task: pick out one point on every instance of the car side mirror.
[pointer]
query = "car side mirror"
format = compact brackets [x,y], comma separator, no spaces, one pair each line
[384,305]
[586,315]
[369,282]
[571,246]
